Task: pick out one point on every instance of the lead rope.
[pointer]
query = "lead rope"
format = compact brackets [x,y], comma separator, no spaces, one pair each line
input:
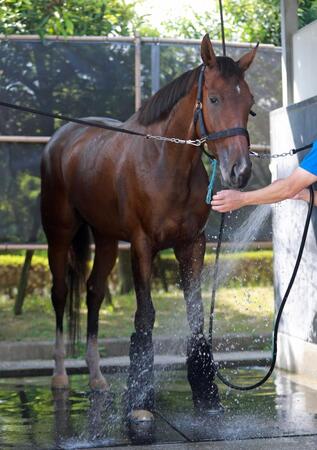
[212,178]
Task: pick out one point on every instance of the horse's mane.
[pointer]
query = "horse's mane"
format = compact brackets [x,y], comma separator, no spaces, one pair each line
[160,104]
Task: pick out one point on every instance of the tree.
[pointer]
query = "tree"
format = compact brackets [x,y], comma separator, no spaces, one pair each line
[68,17]
[245,20]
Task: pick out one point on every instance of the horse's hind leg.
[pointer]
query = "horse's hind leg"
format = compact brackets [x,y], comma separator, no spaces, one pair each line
[58,260]
[200,364]
[105,257]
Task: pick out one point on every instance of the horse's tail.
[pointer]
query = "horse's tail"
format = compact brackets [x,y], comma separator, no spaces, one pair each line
[78,268]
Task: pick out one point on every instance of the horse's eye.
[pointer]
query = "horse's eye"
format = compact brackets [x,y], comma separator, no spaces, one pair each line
[214,100]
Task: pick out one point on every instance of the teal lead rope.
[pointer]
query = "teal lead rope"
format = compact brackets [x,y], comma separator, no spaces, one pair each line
[211,184]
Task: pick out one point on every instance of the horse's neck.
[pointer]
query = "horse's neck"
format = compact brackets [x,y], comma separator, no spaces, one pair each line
[178,124]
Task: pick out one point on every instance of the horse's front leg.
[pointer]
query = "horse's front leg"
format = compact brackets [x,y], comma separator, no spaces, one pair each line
[140,395]
[200,364]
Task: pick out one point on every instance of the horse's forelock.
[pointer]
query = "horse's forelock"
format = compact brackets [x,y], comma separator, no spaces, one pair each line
[228,67]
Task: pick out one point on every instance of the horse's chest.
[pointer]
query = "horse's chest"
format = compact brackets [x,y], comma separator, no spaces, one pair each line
[184,226]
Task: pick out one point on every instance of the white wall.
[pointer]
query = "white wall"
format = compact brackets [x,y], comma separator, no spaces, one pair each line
[305,62]
[291,127]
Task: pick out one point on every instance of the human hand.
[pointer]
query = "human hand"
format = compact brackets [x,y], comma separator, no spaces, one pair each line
[228,200]
[302,195]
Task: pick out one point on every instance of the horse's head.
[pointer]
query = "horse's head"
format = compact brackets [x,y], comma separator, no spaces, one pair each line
[226,103]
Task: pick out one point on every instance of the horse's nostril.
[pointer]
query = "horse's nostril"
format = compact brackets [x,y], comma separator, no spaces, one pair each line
[233,174]
[240,174]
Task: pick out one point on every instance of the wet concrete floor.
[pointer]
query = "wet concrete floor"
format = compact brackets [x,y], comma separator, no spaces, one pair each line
[31,417]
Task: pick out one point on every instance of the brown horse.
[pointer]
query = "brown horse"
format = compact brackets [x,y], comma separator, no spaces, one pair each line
[151,194]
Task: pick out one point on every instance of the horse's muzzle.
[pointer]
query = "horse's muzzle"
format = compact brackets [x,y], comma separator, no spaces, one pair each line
[238,176]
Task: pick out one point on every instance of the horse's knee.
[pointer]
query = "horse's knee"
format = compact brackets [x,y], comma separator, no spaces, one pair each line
[95,294]
[144,319]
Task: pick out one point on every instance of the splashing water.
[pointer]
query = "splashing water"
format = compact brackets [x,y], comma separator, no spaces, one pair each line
[240,241]
[250,228]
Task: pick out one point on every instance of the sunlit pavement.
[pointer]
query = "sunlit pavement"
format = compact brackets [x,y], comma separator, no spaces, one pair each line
[282,414]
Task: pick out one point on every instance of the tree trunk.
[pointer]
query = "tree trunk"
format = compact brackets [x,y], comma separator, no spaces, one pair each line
[23,283]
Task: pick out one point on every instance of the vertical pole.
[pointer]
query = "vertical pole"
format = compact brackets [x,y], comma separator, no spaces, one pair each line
[289,25]
[137,70]
[155,68]
[222,29]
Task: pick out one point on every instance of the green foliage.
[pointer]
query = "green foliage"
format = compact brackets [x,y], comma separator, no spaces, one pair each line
[10,269]
[68,17]
[16,260]
[246,269]
[245,20]
[253,21]
[307,11]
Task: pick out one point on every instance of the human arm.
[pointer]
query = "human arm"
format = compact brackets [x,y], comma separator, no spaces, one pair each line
[279,190]
[305,195]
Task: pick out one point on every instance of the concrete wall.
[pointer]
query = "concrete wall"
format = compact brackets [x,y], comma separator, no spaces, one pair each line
[305,62]
[292,127]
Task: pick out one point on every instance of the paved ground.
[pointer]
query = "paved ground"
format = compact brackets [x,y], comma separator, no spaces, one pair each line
[295,443]
[280,415]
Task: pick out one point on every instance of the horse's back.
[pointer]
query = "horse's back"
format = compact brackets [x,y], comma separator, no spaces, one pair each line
[70,130]
[67,137]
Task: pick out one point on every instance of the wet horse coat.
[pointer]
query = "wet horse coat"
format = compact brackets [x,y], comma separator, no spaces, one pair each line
[150,194]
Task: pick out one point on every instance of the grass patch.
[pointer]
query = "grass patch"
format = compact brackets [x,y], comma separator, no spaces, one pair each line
[238,310]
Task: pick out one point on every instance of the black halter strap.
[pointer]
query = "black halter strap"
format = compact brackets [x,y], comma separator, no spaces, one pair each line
[198,116]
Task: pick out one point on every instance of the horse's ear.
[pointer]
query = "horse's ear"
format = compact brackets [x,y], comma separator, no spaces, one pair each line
[246,60]
[207,52]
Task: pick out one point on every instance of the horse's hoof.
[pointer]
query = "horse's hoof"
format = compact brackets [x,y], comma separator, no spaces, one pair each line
[141,425]
[212,411]
[99,385]
[209,408]
[141,415]
[60,382]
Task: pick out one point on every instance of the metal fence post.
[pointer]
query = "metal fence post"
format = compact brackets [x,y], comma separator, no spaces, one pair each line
[137,70]
[155,68]
[289,26]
